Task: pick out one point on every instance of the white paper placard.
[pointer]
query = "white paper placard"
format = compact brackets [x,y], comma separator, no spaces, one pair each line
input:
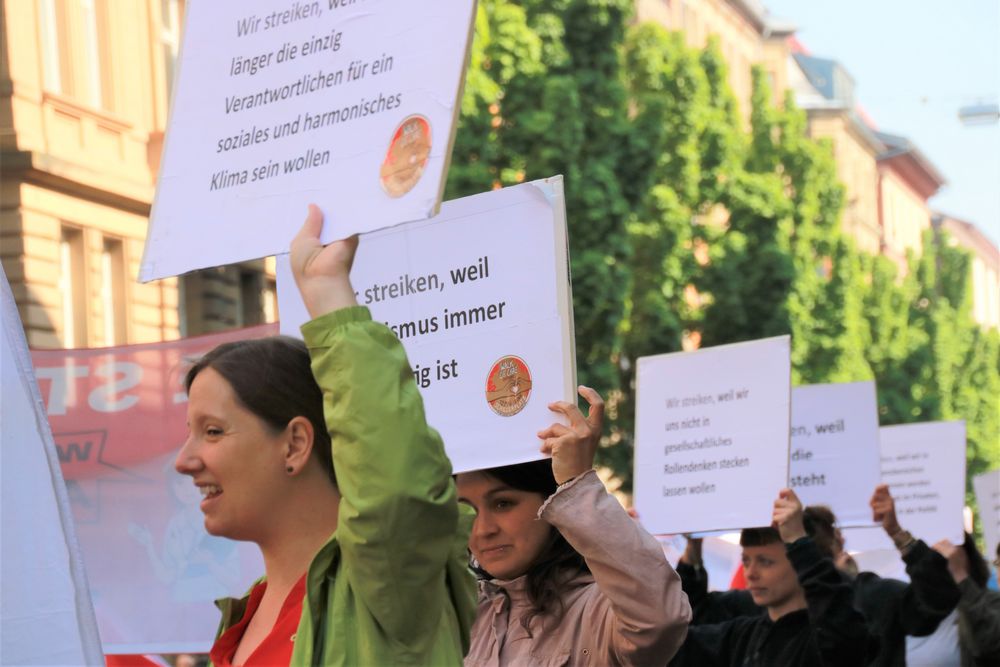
[924,466]
[47,614]
[835,448]
[350,104]
[711,448]
[484,281]
[987,487]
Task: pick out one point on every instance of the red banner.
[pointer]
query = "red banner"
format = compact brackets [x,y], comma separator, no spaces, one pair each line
[118,417]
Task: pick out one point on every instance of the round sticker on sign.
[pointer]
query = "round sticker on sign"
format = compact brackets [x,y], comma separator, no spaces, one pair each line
[508,386]
[407,156]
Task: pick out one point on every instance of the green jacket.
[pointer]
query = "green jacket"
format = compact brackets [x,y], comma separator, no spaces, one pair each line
[392,585]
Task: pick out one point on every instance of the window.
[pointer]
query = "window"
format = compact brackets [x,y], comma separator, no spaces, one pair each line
[50,22]
[98,87]
[71,288]
[270,298]
[250,309]
[170,38]
[113,291]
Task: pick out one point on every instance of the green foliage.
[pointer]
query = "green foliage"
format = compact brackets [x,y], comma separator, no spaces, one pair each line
[659,169]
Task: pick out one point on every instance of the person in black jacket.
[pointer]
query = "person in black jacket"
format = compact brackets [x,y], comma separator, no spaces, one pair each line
[893,609]
[978,607]
[810,617]
[710,606]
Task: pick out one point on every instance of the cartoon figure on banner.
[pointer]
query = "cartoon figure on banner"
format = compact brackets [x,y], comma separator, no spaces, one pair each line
[195,565]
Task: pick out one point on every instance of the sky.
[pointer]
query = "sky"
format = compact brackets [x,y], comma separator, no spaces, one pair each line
[915,63]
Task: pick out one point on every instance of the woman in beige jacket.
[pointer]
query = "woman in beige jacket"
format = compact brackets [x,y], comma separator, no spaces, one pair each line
[567,577]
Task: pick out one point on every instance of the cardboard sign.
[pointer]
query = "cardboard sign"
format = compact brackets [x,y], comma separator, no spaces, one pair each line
[711,431]
[480,298]
[924,466]
[118,417]
[47,615]
[835,448]
[987,487]
[350,104]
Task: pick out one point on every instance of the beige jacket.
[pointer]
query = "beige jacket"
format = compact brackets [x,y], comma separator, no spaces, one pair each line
[630,612]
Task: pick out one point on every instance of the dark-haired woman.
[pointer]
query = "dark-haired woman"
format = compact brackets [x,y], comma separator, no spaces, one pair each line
[567,577]
[978,608]
[339,481]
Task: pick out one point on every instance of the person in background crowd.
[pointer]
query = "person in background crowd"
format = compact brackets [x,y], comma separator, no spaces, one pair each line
[566,576]
[893,609]
[710,606]
[810,617]
[978,607]
[321,455]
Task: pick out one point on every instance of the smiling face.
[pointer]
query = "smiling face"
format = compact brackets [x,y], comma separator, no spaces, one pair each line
[507,537]
[771,578]
[234,458]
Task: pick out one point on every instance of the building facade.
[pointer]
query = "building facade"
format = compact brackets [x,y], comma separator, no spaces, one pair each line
[84,96]
[746,33]
[985,266]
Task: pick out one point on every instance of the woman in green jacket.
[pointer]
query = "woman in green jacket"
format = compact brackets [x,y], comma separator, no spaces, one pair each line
[321,455]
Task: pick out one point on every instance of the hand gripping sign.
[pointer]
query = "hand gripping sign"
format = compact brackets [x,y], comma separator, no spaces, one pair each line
[480,298]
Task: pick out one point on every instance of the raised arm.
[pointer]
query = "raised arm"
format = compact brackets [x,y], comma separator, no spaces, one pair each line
[840,631]
[978,608]
[931,594]
[398,514]
[645,612]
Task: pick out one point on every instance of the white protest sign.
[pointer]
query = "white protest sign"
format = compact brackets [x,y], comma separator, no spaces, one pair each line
[924,466]
[480,298]
[47,615]
[835,448]
[711,436]
[987,487]
[350,104]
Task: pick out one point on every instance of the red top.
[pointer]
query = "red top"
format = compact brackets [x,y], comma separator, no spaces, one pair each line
[276,649]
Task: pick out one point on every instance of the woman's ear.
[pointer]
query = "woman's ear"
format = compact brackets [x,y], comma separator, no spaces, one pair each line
[298,444]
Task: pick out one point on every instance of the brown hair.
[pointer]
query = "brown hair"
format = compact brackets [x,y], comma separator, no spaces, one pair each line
[549,576]
[759,537]
[272,378]
[821,524]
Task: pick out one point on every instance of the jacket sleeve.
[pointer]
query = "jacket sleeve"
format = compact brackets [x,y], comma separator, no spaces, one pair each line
[398,513]
[839,629]
[932,593]
[646,614]
[714,644]
[979,612]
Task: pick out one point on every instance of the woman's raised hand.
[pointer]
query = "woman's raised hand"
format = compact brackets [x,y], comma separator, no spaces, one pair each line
[322,272]
[787,516]
[572,447]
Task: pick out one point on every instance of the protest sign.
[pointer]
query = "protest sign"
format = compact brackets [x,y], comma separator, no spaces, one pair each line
[987,487]
[711,434]
[924,466]
[835,448]
[350,104]
[480,298]
[118,417]
[47,616]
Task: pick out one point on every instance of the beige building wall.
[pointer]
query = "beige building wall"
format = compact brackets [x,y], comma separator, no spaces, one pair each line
[84,88]
[857,169]
[985,267]
[740,34]
[905,217]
